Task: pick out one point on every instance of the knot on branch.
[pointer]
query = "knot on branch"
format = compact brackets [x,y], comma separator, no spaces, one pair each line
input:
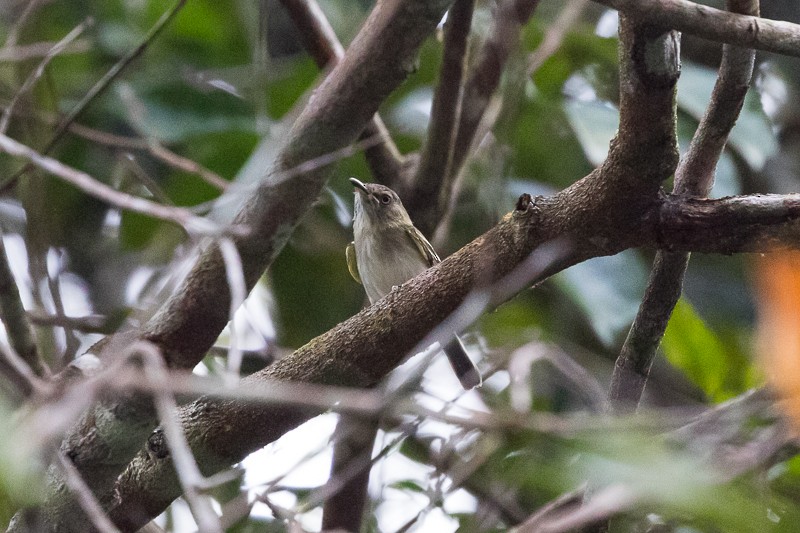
[524,202]
[157,444]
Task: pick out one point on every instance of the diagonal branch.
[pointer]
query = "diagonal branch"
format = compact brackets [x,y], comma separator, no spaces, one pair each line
[694,176]
[222,432]
[433,181]
[378,60]
[714,24]
[103,84]
[18,329]
[485,77]
[321,43]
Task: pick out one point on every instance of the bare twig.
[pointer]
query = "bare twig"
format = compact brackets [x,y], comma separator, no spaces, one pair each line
[137,113]
[39,71]
[19,373]
[714,24]
[13,32]
[321,43]
[555,34]
[26,52]
[54,285]
[185,465]
[433,180]
[235,275]
[603,504]
[141,175]
[694,176]
[83,494]
[18,329]
[86,324]
[97,189]
[154,148]
[569,500]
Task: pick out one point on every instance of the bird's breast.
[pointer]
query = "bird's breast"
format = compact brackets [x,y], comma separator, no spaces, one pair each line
[388,263]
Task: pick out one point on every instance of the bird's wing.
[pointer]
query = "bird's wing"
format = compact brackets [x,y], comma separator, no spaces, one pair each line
[352,262]
[423,246]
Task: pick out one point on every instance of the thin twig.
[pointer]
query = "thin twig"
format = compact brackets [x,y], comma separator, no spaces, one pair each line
[54,285]
[39,71]
[235,275]
[101,191]
[26,52]
[503,38]
[85,324]
[13,32]
[137,113]
[555,33]
[141,175]
[185,464]
[84,495]
[603,504]
[433,180]
[18,329]
[567,500]
[153,147]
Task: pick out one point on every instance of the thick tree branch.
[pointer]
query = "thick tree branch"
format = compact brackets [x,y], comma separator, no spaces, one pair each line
[695,177]
[714,24]
[433,181]
[360,351]
[378,60]
[321,42]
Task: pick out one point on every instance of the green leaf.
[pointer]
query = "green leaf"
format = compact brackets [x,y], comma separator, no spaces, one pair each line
[409,485]
[719,368]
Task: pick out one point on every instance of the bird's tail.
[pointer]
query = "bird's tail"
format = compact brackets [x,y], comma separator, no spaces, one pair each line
[466,372]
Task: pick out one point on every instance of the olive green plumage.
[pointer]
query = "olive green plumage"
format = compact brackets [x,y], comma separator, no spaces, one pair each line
[388,250]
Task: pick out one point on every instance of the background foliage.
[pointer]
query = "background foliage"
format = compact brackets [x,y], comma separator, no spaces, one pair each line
[221,86]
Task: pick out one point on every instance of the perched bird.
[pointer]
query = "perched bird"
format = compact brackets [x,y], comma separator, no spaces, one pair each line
[388,250]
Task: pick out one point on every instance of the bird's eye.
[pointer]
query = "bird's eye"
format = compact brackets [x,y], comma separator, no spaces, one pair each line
[385,199]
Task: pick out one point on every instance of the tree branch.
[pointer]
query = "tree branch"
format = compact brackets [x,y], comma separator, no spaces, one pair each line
[433,180]
[481,84]
[378,60]
[714,24]
[103,84]
[222,432]
[18,329]
[695,177]
[321,43]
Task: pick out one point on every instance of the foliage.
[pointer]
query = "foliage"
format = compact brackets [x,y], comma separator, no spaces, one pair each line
[205,90]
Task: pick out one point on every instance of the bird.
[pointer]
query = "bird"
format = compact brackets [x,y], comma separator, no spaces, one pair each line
[387,250]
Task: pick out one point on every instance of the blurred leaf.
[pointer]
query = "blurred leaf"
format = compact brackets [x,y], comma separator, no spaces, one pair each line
[608,290]
[410,485]
[718,368]
[643,473]
[173,114]
[595,124]
[752,137]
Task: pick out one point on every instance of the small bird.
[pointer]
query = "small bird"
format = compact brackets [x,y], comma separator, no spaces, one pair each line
[388,250]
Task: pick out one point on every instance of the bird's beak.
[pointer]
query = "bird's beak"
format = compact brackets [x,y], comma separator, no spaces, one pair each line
[359,185]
